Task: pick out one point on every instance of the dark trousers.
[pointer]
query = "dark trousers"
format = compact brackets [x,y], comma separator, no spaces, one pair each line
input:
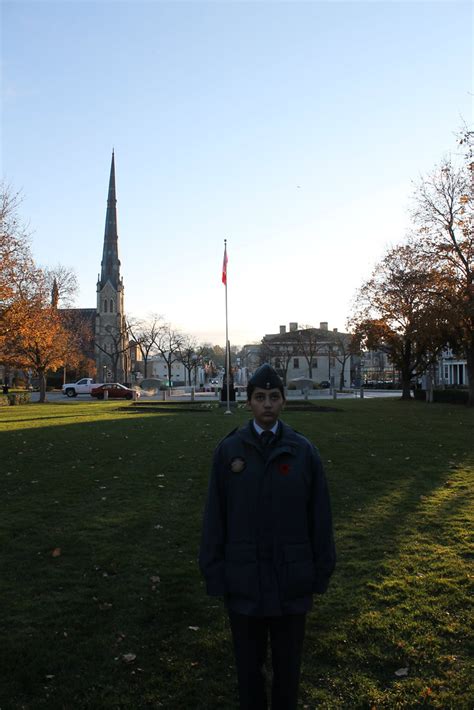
[250,637]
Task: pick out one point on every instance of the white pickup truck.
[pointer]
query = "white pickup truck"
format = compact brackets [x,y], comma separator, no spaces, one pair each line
[83,386]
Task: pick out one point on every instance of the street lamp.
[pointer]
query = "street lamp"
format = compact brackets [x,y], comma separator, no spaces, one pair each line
[105,373]
[361,368]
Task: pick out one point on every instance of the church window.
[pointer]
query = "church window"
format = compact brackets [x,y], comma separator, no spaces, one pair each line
[296,363]
[105,305]
[111,306]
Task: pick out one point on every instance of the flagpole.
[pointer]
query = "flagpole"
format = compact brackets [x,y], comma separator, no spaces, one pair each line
[227,353]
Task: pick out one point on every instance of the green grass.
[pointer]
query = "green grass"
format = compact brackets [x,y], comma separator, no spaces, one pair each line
[121,492]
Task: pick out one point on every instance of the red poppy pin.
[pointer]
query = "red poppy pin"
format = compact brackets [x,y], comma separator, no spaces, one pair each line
[284,469]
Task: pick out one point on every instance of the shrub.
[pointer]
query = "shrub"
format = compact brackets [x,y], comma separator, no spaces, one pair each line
[19,382]
[448,396]
[18,398]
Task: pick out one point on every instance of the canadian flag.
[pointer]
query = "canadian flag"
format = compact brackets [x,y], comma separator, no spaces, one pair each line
[224,267]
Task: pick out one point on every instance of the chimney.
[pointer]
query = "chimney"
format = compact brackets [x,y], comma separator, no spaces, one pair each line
[282,329]
[334,330]
[293,327]
[323,325]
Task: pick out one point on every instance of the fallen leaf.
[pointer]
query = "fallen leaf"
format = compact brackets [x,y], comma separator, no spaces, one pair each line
[401,672]
[129,657]
[155,579]
[56,552]
[193,628]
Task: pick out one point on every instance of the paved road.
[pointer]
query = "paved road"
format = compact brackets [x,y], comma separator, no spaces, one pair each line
[209,397]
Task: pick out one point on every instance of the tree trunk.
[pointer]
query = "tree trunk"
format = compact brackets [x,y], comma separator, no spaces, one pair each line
[169,373]
[145,367]
[406,388]
[470,374]
[42,385]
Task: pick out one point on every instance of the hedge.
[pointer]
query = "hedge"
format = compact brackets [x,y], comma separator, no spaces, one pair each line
[14,398]
[448,396]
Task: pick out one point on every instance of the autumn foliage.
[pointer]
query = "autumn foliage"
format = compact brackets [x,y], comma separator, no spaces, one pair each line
[401,311]
[33,334]
[420,297]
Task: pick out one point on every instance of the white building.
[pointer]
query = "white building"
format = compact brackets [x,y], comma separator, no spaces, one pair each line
[317,354]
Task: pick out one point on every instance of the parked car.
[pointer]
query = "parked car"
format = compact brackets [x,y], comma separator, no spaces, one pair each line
[325,384]
[84,386]
[114,390]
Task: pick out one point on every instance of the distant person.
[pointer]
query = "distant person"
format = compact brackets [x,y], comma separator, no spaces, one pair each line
[267,542]
[5,388]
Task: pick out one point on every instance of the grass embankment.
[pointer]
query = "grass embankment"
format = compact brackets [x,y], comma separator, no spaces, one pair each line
[102,602]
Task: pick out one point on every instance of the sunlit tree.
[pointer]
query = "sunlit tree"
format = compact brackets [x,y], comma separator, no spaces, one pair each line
[401,310]
[444,215]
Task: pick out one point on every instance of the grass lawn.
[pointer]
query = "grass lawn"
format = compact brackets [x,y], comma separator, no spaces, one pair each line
[102,602]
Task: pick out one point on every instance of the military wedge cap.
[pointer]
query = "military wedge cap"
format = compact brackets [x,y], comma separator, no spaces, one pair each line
[266,378]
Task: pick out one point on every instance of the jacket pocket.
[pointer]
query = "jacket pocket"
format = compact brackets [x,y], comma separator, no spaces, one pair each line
[241,571]
[298,572]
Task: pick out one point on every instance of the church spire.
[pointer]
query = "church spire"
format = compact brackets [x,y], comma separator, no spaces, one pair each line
[110,265]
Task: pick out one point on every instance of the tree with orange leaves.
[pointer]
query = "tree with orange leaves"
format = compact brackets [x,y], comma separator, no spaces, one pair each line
[16,263]
[402,311]
[33,336]
[40,340]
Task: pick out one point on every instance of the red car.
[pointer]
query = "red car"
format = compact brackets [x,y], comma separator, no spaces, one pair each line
[114,390]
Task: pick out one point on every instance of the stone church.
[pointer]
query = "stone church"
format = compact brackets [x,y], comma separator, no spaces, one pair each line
[112,354]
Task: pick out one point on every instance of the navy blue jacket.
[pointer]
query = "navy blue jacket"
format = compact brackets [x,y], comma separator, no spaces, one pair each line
[267,542]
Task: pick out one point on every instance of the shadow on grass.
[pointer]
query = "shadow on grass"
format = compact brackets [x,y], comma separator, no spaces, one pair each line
[121,499]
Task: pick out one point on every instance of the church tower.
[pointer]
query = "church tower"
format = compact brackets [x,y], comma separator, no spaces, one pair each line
[111,342]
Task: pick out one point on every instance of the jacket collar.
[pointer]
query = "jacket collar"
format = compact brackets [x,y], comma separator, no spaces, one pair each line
[286,439]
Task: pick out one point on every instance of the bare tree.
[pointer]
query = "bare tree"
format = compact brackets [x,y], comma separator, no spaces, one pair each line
[168,343]
[118,349]
[308,344]
[63,285]
[344,346]
[444,214]
[188,355]
[279,353]
[145,333]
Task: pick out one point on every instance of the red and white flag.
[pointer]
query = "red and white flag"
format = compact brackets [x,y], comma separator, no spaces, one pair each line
[224,267]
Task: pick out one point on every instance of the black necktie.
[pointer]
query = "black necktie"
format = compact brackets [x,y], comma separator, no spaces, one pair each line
[266,437]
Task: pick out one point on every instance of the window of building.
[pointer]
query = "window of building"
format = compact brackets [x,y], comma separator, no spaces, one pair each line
[111,306]
[296,363]
[105,305]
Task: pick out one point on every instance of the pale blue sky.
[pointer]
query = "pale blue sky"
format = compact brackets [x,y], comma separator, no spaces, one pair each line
[293,129]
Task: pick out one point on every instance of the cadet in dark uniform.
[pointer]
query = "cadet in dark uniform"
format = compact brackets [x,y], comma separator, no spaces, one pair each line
[267,543]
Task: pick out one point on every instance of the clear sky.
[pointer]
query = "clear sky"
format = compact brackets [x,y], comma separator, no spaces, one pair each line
[293,129]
